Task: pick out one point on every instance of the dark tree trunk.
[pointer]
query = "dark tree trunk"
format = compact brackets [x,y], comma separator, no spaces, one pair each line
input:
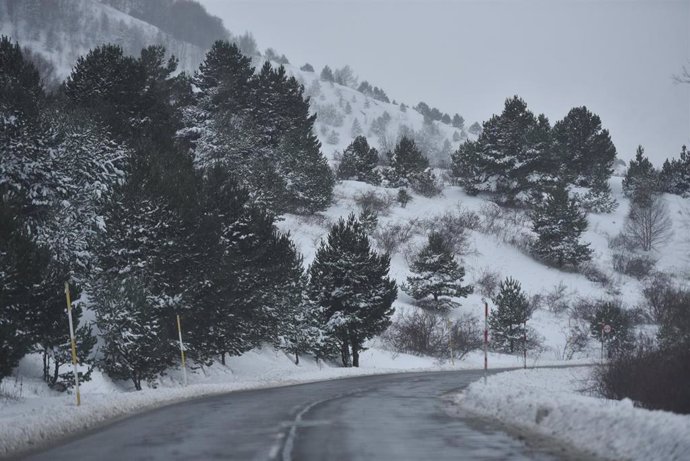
[137,382]
[296,358]
[355,355]
[222,358]
[345,353]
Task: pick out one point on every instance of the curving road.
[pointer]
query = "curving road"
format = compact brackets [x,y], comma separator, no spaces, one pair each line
[385,417]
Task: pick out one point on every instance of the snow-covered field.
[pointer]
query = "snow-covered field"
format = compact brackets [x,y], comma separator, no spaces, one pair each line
[556,403]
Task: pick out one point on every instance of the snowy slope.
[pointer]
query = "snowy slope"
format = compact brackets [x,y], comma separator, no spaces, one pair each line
[555,403]
[73,28]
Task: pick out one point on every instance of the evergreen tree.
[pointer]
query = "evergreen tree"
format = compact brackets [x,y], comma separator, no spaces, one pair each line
[136,343]
[407,159]
[507,322]
[559,223]
[584,150]
[327,74]
[225,78]
[641,179]
[359,162]
[351,283]
[475,129]
[458,122]
[437,274]
[675,174]
[356,129]
[612,314]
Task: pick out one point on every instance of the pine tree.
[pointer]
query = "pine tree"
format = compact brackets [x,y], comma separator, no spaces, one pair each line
[458,122]
[612,314]
[584,150]
[641,179]
[327,74]
[356,129]
[225,78]
[507,322]
[136,344]
[351,282]
[437,274]
[359,162]
[407,159]
[559,223]
[675,174]
[475,129]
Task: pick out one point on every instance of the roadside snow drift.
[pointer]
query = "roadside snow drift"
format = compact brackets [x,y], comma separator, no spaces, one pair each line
[550,402]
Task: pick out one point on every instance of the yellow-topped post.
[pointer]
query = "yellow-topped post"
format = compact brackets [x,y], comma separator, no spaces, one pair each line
[179,332]
[73,342]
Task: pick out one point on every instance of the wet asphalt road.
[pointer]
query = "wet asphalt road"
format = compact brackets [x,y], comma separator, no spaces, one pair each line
[389,417]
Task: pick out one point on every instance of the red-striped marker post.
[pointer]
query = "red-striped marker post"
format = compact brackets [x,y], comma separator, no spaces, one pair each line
[486,339]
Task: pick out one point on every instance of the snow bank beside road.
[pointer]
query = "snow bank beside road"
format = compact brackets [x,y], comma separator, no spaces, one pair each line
[550,402]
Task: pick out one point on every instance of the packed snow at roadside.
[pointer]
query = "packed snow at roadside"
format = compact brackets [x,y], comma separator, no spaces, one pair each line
[556,403]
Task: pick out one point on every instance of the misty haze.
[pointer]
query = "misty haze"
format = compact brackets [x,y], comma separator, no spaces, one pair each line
[344,230]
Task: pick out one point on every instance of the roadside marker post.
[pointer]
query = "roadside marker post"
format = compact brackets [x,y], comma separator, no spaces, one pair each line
[450,342]
[73,342]
[486,339]
[182,355]
[524,348]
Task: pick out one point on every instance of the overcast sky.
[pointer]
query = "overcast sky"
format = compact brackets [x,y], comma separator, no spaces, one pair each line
[615,57]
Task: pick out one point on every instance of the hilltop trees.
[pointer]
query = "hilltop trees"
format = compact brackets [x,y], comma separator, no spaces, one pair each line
[511,156]
[583,148]
[437,274]
[350,281]
[675,174]
[517,156]
[262,131]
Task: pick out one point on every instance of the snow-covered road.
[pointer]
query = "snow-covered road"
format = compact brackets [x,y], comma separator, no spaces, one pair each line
[387,417]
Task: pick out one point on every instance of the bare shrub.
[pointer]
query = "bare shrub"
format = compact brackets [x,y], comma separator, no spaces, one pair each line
[634,265]
[556,299]
[648,225]
[453,227]
[594,274]
[658,294]
[390,237]
[511,226]
[487,283]
[652,378]
[373,201]
[584,308]
[416,333]
[577,336]
[427,333]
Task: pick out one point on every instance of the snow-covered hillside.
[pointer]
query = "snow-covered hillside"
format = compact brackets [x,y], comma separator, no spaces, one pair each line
[63,31]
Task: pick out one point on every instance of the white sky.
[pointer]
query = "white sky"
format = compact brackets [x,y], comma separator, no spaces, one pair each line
[616,57]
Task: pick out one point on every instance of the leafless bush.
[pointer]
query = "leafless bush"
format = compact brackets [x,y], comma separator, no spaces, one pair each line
[487,283]
[658,293]
[373,201]
[427,333]
[390,237]
[594,274]
[576,339]
[652,378]
[454,226]
[584,308]
[329,114]
[648,225]
[416,333]
[556,300]
[634,265]
[511,226]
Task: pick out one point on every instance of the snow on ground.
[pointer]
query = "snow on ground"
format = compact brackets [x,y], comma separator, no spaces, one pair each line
[555,403]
